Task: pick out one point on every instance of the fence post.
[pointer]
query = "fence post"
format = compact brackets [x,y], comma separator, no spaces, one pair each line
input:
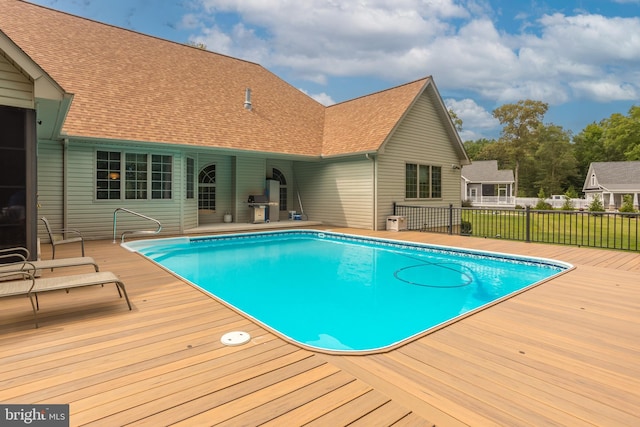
[394,208]
[527,225]
[450,218]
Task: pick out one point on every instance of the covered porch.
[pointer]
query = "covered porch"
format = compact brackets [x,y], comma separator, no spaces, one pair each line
[613,200]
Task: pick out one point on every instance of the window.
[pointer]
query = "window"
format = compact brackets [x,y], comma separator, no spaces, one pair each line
[132,175]
[411,181]
[593,180]
[135,176]
[108,175]
[161,171]
[279,176]
[436,182]
[423,181]
[191,178]
[207,188]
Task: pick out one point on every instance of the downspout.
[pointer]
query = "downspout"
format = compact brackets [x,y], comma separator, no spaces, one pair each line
[375,190]
[65,183]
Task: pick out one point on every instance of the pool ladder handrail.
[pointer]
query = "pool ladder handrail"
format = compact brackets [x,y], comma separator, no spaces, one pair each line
[136,233]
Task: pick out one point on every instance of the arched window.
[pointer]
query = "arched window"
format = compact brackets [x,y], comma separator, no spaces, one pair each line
[207,188]
[279,176]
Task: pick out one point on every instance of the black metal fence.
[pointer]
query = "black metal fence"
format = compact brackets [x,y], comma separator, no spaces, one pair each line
[610,230]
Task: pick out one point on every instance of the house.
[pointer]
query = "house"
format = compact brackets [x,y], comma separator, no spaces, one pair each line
[111,118]
[484,185]
[611,181]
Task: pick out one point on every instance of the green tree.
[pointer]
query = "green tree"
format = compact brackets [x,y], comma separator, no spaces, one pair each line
[555,159]
[571,192]
[621,135]
[589,147]
[520,123]
[474,148]
[497,150]
[197,45]
[457,121]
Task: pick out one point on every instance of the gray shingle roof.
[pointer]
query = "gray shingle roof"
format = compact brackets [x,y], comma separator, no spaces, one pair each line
[615,176]
[486,171]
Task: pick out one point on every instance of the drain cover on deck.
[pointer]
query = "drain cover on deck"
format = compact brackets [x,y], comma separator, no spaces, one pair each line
[235,338]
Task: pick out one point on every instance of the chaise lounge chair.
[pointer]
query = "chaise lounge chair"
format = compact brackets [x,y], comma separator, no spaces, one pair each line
[58,237]
[30,285]
[22,254]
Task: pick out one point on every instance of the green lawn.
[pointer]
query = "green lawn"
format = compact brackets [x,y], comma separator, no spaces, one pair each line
[605,230]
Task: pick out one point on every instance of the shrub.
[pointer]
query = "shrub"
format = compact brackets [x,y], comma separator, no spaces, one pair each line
[542,204]
[567,205]
[467,203]
[627,204]
[596,204]
[465,227]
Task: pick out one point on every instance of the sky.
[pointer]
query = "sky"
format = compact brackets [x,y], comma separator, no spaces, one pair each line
[582,57]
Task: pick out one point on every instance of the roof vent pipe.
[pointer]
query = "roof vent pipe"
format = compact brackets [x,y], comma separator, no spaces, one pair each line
[247,99]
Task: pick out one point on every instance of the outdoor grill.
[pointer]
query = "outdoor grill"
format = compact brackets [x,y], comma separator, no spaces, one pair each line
[257,205]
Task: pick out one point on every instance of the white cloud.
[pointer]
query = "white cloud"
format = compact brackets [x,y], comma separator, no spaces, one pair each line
[340,37]
[474,117]
[189,21]
[240,42]
[592,38]
[555,58]
[323,99]
[606,91]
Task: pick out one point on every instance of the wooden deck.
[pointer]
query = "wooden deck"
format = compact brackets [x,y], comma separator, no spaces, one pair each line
[563,353]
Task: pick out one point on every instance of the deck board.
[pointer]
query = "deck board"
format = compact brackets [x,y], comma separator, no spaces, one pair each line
[562,353]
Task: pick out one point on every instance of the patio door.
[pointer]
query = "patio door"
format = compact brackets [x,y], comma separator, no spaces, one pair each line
[207,195]
[18,186]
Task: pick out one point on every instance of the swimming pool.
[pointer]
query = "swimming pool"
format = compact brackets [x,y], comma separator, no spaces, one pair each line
[344,293]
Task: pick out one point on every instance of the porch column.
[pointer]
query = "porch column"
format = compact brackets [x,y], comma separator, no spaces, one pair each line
[612,202]
[635,201]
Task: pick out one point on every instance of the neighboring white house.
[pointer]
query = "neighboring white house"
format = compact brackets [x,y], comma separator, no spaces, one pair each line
[102,118]
[611,181]
[484,185]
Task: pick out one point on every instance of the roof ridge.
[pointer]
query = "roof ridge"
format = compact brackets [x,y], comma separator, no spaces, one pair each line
[380,91]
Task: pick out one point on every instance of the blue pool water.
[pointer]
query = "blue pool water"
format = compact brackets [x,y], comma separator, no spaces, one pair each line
[339,292]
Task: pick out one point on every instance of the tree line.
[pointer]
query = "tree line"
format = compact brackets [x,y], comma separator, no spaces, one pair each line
[548,159]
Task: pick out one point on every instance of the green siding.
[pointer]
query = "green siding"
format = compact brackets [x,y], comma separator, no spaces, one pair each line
[250,176]
[420,138]
[50,188]
[337,192]
[94,218]
[16,90]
